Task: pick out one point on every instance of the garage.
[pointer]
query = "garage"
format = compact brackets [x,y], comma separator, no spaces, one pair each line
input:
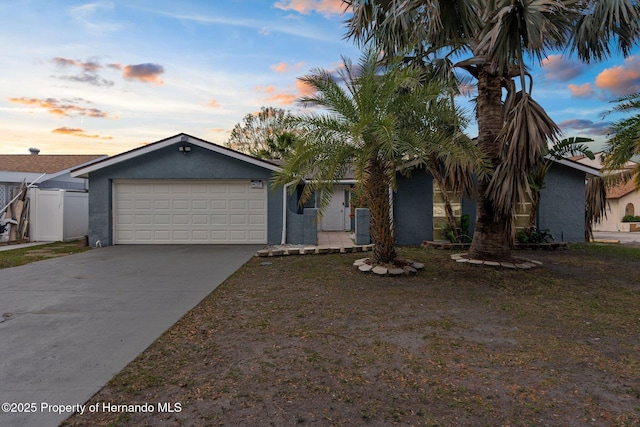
[189,212]
[183,190]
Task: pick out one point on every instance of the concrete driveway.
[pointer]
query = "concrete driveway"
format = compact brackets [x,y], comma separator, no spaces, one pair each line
[69,324]
[621,236]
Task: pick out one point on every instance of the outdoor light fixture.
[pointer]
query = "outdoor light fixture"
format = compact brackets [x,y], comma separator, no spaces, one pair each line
[184,148]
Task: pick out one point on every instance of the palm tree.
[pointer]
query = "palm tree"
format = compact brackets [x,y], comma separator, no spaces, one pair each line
[567,147]
[625,137]
[494,39]
[374,120]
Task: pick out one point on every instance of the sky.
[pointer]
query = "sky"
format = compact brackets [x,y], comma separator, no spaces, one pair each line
[105,77]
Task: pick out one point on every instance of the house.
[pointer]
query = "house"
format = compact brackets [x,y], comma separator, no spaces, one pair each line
[45,171]
[622,199]
[185,190]
[57,203]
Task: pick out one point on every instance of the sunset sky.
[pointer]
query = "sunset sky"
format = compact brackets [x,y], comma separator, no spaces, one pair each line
[108,76]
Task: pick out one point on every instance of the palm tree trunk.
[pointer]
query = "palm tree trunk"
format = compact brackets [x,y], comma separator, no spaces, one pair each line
[492,235]
[439,177]
[533,215]
[381,227]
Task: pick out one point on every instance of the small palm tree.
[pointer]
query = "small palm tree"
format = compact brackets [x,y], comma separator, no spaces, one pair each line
[625,137]
[374,119]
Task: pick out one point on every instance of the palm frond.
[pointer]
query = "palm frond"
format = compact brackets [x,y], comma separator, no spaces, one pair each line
[524,142]
[595,204]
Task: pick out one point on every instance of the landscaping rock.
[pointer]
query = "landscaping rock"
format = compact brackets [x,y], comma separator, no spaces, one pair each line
[507,265]
[263,252]
[365,267]
[524,266]
[293,251]
[347,249]
[492,263]
[309,250]
[410,269]
[276,252]
[476,261]
[396,271]
[417,265]
[380,270]
[323,250]
[461,260]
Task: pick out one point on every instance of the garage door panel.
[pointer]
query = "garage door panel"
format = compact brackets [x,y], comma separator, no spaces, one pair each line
[174,211]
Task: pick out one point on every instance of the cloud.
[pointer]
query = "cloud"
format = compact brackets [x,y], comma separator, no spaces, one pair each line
[590,127]
[622,79]
[147,73]
[286,97]
[89,72]
[220,130]
[62,107]
[324,7]
[89,66]
[81,133]
[556,67]
[582,91]
[283,67]
[214,104]
[85,14]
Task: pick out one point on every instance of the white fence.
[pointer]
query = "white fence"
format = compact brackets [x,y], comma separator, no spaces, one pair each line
[58,215]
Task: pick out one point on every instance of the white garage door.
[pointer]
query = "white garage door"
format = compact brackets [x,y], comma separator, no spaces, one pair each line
[186,211]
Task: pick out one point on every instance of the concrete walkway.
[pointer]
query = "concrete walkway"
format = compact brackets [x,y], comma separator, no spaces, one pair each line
[333,239]
[67,325]
[620,236]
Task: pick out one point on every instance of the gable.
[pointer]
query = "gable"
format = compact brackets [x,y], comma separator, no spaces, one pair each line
[181,146]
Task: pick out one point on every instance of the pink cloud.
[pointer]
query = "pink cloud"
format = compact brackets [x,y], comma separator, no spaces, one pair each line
[280,67]
[325,7]
[557,67]
[286,97]
[81,133]
[213,104]
[62,107]
[147,73]
[582,91]
[89,66]
[622,79]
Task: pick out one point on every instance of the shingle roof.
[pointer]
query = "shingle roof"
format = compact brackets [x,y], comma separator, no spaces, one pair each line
[44,163]
[621,190]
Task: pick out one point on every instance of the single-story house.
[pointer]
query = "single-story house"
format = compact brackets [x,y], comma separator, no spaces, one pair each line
[185,190]
[622,199]
[57,202]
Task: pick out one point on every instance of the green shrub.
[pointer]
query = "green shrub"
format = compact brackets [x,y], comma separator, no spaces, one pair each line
[631,218]
[463,231]
[533,235]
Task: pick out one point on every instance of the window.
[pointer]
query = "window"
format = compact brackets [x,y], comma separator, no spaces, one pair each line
[629,210]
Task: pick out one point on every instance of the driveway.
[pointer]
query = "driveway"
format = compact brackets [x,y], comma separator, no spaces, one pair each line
[69,324]
[622,236]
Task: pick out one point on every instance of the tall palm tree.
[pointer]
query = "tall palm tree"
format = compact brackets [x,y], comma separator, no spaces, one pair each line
[492,41]
[374,119]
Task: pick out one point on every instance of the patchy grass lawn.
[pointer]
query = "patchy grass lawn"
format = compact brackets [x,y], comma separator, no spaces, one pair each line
[309,340]
[22,256]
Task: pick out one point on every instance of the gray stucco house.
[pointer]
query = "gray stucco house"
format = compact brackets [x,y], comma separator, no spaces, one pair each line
[185,190]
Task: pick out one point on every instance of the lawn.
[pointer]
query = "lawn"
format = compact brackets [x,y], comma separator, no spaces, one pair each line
[310,340]
[26,255]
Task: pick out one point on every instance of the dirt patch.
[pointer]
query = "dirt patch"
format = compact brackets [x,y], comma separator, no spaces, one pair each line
[310,340]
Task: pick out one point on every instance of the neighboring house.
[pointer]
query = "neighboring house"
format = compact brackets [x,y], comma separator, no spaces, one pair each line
[623,199]
[185,190]
[57,201]
[47,170]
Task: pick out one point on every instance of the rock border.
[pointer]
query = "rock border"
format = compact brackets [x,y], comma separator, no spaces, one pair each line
[463,246]
[411,267]
[312,250]
[520,264]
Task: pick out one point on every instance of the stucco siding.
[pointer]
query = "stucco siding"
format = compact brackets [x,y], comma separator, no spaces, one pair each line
[169,163]
[561,208]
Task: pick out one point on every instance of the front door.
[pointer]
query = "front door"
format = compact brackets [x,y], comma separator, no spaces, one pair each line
[333,216]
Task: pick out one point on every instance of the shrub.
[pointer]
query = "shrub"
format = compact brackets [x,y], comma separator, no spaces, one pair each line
[533,235]
[631,218]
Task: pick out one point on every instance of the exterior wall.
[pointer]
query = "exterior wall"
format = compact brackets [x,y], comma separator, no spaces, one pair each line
[301,228]
[413,208]
[616,210]
[65,182]
[362,218]
[169,163]
[561,209]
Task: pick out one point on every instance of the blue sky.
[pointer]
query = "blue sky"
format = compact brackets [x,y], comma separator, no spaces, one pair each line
[107,76]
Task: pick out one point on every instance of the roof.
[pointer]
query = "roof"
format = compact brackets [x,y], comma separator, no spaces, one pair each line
[622,190]
[84,171]
[44,163]
[578,166]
